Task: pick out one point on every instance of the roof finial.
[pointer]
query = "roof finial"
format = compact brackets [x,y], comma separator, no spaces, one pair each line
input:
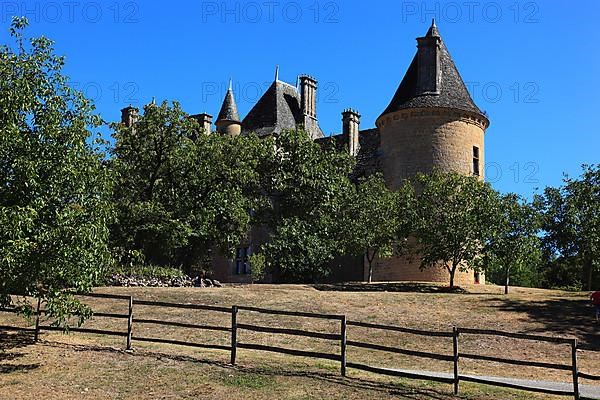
[433,30]
[276,72]
[230,83]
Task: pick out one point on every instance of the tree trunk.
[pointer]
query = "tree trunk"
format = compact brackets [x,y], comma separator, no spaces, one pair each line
[506,280]
[590,270]
[452,272]
[370,261]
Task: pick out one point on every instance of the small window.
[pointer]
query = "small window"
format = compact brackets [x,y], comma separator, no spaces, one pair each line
[476,171]
[242,266]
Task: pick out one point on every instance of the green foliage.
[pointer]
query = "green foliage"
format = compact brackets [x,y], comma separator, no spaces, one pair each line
[572,222]
[144,160]
[455,217]
[561,273]
[258,266]
[377,220]
[148,271]
[308,187]
[298,252]
[181,193]
[515,248]
[54,192]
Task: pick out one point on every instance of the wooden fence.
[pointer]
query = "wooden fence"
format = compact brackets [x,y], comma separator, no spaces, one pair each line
[341,338]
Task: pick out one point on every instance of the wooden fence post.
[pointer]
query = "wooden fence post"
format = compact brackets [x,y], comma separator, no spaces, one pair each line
[130,323]
[575,371]
[234,311]
[455,353]
[343,345]
[37,320]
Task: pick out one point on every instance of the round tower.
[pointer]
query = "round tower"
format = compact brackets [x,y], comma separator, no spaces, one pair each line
[431,123]
[228,122]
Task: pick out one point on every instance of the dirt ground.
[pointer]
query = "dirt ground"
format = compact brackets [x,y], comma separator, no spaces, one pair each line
[95,366]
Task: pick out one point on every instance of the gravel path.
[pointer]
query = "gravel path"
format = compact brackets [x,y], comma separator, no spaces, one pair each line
[587,391]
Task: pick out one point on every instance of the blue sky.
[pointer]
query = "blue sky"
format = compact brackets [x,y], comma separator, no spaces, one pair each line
[533,66]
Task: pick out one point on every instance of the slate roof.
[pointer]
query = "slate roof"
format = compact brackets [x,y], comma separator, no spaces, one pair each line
[452,93]
[278,109]
[368,160]
[229,110]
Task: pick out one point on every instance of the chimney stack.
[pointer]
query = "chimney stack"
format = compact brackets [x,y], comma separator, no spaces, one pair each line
[308,95]
[129,116]
[205,121]
[350,128]
[428,61]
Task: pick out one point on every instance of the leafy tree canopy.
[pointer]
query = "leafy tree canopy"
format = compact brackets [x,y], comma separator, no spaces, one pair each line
[377,221]
[515,246]
[181,192]
[572,221]
[54,191]
[455,217]
[309,186]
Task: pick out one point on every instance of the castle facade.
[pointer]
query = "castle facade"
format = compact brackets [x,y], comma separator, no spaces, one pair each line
[430,123]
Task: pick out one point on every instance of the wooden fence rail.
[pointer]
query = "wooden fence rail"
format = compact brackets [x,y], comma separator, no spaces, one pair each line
[340,337]
[522,336]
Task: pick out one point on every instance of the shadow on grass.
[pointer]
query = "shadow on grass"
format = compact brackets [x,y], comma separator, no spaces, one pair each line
[564,317]
[10,341]
[397,389]
[407,287]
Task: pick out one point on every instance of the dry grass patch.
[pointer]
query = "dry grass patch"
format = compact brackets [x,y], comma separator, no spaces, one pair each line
[164,369]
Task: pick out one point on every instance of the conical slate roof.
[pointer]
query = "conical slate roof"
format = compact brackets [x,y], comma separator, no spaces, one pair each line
[451,90]
[229,110]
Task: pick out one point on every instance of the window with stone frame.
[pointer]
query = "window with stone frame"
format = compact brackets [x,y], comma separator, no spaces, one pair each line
[476,169]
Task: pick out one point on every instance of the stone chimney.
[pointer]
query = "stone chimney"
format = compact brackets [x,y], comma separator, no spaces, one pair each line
[205,122]
[308,96]
[428,62]
[350,129]
[129,116]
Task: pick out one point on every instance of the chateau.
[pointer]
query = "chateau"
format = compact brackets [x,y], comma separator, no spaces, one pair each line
[430,123]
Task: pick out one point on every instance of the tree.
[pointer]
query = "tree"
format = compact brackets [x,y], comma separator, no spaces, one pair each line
[180,193]
[54,190]
[376,220]
[515,245]
[455,217]
[145,158]
[572,220]
[308,188]
[223,188]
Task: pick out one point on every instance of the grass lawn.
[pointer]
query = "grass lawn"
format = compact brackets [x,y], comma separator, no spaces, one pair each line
[79,366]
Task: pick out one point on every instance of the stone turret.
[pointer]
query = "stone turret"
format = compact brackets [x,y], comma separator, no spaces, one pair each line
[228,121]
[430,123]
